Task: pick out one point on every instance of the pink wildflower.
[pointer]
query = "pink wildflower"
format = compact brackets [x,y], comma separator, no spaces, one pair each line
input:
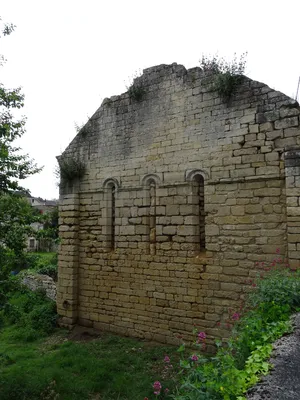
[236,316]
[157,387]
[166,390]
[167,359]
[194,357]
[277,250]
[202,336]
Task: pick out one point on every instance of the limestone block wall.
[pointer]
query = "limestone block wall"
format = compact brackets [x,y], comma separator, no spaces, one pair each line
[182,195]
[292,163]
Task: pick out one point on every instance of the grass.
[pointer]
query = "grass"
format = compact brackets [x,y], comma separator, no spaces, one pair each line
[108,368]
[44,257]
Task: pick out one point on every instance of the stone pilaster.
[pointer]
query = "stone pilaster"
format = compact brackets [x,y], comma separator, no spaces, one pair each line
[67,294]
[292,169]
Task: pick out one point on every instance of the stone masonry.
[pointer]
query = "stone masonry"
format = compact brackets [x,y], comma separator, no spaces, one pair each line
[183,193]
[40,282]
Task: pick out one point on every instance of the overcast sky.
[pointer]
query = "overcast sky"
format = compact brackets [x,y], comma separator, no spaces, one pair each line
[68,55]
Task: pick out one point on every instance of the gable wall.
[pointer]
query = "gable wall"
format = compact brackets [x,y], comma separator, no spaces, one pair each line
[180,127]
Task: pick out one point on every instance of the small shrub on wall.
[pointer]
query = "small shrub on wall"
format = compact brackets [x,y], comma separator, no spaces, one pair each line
[227,75]
[136,89]
[71,168]
[136,92]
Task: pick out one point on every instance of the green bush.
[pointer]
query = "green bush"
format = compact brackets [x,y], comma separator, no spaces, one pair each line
[48,266]
[44,263]
[50,270]
[31,313]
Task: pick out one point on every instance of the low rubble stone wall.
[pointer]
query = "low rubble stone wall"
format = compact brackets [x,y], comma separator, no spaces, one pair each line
[36,282]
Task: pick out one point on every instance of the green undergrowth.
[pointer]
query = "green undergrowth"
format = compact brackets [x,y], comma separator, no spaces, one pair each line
[40,361]
[42,263]
[29,314]
[108,368]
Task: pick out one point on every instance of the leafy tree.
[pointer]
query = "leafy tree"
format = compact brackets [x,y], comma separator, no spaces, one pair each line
[49,233]
[16,214]
[16,217]
[13,165]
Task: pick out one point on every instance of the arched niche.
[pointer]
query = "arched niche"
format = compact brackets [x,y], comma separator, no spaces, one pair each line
[197,179]
[150,177]
[110,186]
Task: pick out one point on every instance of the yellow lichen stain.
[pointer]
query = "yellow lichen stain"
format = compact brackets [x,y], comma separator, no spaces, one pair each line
[153,157]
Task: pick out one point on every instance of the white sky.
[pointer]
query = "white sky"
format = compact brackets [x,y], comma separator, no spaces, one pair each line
[68,55]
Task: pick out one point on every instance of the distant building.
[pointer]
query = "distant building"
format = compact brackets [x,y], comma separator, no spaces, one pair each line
[43,206]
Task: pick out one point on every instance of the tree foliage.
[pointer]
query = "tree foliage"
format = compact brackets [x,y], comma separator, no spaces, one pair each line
[13,165]
[16,214]
[49,234]
[16,217]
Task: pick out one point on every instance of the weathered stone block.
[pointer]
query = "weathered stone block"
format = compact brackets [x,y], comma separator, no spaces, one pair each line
[286,123]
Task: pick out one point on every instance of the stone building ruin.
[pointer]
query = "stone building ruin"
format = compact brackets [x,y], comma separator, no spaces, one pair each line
[177,195]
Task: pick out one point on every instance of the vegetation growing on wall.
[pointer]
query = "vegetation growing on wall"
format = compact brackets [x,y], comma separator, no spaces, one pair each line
[227,76]
[84,129]
[136,90]
[71,168]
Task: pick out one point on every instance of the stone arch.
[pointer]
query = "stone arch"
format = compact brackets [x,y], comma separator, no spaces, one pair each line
[150,184]
[111,186]
[151,177]
[191,174]
[109,182]
[197,179]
